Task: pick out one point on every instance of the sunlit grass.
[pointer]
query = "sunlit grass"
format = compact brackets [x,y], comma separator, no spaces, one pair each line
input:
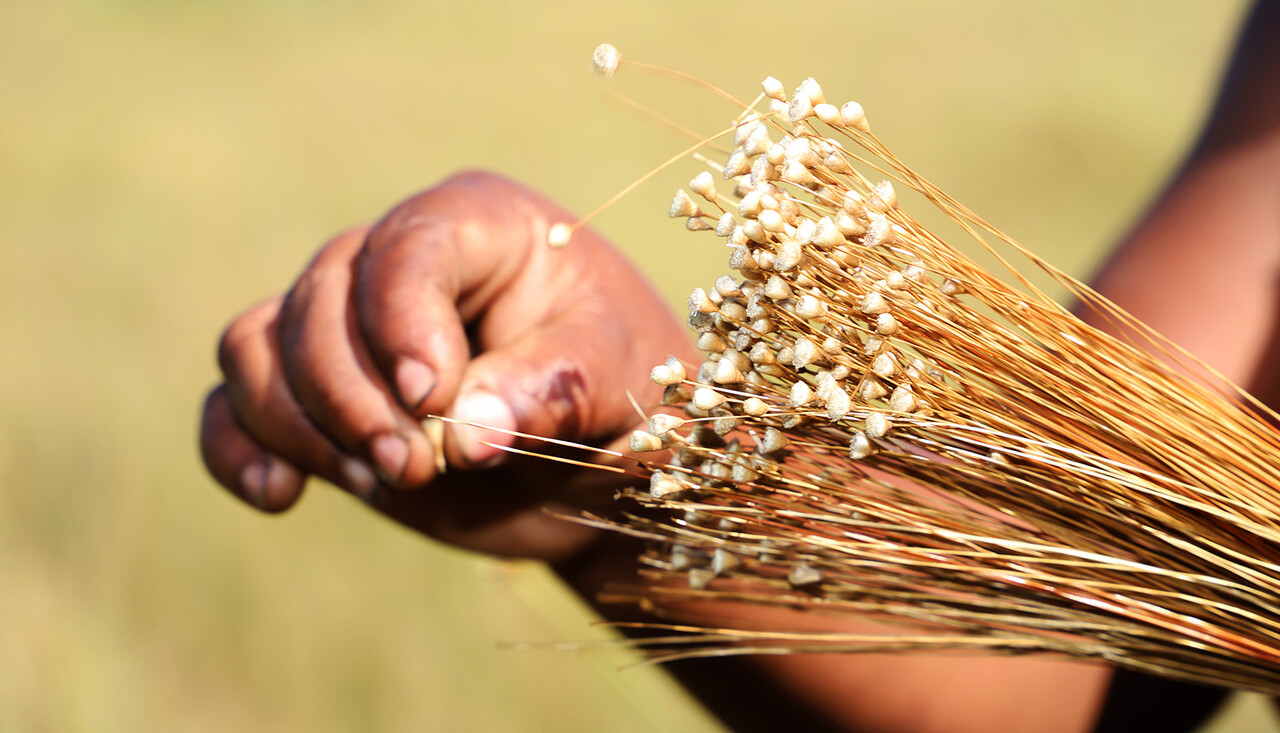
[162,165]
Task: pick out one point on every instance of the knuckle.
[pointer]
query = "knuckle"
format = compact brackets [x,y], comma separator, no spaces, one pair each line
[456,193]
[232,345]
[212,428]
[212,402]
[471,177]
[245,333]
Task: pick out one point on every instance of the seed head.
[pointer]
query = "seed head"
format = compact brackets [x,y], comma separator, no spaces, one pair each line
[872,389]
[827,234]
[804,353]
[879,231]
[558,235]
[902,400]
[883,196]
[663,485]
[772,221]
[801,107]
[737,164]
[777,288]
[757,142]
[877,425]
[793,171]
[836,163]
[727,372]
[703,185]
[873,304]
[838,405]
[808,306]
[605,60]
[728,286]
[745,129]
[773,89]
[675,394]
[699,302]
[705,398]
[849,225]
[663,376]
[828,113]
[662,423]
[645,442]
[773,441]
[711,342]
[681,558]
[790,255]
[682,205]
[743,473]
[803,574]
[852,115]
[700,578]
[801,395]
[860,446]
[811,90]
[722,561]
[886,324]
[884,365]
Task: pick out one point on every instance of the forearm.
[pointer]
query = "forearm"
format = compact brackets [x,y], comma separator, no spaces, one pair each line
[865,692]
[1202,266]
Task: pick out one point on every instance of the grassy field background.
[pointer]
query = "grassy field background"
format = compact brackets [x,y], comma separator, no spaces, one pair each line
[165,164]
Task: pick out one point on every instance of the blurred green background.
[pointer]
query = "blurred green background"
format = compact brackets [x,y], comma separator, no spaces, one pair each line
[165,164]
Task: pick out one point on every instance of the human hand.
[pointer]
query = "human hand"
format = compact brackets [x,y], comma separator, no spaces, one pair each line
[451,304]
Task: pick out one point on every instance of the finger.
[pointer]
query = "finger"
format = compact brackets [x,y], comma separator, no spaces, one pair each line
[249,356]
[435,263]
[241,465]
[331,375]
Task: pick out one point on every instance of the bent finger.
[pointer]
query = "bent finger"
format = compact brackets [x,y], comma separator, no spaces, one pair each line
[250,359]
[261,479]
[332,377]
[433,265]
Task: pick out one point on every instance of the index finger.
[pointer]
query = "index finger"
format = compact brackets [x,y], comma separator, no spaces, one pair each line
[432,266]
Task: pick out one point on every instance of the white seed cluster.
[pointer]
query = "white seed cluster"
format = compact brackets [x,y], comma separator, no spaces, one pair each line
[605,60]
[812,338]
[881,427]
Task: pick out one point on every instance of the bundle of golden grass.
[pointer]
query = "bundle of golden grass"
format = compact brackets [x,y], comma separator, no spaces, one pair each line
[883,429]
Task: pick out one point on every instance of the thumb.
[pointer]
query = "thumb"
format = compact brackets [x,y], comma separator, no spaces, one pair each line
[568,378]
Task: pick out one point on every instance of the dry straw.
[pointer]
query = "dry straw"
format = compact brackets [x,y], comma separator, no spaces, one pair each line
[882,429]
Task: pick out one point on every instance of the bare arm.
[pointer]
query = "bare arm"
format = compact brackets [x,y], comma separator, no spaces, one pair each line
[1202,266]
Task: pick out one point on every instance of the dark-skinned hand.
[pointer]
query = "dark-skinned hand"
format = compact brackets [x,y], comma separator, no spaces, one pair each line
[453,304]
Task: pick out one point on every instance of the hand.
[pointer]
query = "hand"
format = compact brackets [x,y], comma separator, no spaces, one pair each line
[451,304]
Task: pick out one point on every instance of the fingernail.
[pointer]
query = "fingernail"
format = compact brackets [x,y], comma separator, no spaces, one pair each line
[484,409]
[390,453]
[253,482]
[414,381]
[359,478]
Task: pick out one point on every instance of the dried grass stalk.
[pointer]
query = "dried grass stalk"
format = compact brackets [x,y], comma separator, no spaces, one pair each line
[883,429]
